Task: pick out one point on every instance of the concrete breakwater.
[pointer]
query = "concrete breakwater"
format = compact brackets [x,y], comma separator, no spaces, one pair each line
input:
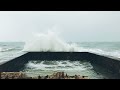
[109,63]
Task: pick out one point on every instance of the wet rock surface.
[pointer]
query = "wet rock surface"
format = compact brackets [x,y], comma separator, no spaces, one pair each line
[56,75]
[12,75]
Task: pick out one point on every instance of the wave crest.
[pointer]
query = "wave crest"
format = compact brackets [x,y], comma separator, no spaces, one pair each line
[49,42]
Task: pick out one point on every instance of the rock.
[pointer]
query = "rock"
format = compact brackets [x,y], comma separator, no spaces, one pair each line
[39,77]
[13,75]
[46,77]
[55,75]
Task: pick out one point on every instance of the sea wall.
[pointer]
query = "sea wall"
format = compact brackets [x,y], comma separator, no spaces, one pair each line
[18,64]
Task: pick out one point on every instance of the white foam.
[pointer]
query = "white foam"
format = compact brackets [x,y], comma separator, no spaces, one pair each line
[49,42]
[101,52]
[60,65]
[5,49]
[0,49]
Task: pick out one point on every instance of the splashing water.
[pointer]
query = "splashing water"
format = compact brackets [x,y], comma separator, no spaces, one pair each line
[44,42]
[49,42]
[58,65]
[0,49]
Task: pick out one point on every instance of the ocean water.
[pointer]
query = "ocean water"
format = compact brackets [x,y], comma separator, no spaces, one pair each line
[10,50]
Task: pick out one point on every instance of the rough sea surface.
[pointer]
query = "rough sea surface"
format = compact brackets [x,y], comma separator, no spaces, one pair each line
[10,50]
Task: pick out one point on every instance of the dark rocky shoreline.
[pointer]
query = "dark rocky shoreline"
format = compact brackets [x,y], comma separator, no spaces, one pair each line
[56,75]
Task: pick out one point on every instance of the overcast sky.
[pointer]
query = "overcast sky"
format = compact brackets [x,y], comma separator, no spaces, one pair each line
[76,26]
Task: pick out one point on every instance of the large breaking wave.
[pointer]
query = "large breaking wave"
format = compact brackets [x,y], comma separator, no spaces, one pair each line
[51,42]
